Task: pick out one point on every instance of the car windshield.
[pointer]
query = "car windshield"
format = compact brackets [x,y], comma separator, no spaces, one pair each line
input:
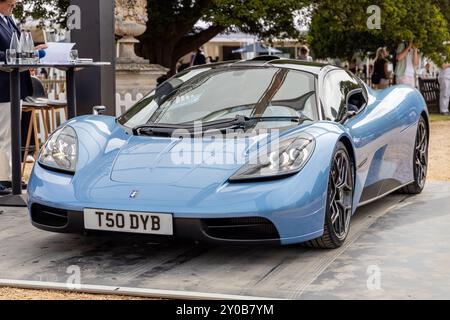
[212,94]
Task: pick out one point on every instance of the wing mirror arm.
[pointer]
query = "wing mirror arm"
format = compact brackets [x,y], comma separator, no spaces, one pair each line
[348,115]
[98,110]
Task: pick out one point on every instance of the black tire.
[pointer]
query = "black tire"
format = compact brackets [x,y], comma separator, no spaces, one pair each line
[339,201]
[420,160]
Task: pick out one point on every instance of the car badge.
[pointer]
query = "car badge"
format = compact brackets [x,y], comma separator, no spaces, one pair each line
[134,194]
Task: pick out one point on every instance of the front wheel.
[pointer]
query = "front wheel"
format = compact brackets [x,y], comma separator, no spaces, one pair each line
[339,201]
[420,160]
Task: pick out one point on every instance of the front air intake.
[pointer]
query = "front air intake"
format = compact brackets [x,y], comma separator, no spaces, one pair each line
[248,228]
[48,216]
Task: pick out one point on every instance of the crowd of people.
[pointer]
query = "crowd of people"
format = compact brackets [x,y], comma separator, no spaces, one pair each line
[406,63]
[405,67]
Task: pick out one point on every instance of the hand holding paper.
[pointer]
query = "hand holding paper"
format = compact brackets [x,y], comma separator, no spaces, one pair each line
[57,52]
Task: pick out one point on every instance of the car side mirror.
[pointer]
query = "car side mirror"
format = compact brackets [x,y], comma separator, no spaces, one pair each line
[98,110]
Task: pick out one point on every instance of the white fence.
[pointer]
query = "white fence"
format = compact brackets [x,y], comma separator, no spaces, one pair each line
[125,102]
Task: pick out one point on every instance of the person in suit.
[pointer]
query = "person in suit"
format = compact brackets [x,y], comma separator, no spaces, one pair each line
[7,29]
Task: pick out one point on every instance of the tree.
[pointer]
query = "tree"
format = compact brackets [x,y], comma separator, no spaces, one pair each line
[444,5]
[171,31]
[43,10]
[339,28]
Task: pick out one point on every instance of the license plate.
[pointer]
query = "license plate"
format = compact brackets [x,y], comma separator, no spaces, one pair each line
[126,221]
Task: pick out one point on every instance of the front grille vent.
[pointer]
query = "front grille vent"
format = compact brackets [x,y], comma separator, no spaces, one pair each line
[48,216]
[247,228]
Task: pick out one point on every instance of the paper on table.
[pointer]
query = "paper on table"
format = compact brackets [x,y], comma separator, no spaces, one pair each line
[57,52]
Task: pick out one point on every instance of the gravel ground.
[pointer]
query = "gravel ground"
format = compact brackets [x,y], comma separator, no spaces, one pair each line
[21,294]
[439,170]
[440,151]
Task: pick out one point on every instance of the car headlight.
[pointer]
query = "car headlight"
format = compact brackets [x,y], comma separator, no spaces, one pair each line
[289,158]
[60,152]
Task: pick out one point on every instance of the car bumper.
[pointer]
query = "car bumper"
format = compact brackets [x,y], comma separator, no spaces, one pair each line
[266,213]
[233,231]
[250,230]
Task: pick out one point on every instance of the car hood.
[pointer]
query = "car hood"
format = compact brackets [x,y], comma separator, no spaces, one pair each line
[154,160]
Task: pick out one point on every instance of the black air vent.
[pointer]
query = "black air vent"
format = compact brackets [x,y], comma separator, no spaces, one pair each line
[48,216]
[248,228]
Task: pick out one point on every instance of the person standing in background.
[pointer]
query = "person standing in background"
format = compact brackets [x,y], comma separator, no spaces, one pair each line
[353,66]
[408,60]
[199,58]
[426,72]
[304,54]
[381,74]
[7,29]
[444,83]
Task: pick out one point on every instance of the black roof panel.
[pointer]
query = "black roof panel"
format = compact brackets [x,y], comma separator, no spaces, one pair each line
[311,67]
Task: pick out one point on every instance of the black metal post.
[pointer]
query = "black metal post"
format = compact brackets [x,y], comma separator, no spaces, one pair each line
[16,155]
[96,40]
[71,93]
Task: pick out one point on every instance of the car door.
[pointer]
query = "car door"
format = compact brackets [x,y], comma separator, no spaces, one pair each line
[371,132]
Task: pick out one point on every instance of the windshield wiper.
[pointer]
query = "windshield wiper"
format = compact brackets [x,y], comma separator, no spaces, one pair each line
[167,129]
[278,118]
[239,122]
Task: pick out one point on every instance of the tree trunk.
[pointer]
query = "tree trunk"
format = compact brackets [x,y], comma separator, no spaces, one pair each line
[158,51]
[166,51]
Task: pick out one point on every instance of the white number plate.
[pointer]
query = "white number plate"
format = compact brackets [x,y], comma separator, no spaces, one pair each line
[125,221]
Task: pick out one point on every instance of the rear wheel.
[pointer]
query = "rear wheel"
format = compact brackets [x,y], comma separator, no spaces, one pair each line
[420,160]
[339,201]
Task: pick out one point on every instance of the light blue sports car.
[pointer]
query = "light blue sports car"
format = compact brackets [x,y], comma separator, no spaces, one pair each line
[261,151]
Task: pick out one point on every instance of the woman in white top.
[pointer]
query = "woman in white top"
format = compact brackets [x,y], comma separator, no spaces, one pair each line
[408,60]
[444,83]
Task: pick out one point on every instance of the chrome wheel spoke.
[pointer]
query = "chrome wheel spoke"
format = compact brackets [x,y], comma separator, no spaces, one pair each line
[335,213]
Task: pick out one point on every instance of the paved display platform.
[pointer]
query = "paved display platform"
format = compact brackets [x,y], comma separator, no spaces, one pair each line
[398,247]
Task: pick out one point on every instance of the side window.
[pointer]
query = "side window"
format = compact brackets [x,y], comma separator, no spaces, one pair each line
[337,85]
[356,101]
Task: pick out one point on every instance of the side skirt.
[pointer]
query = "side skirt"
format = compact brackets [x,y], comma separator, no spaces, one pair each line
[383,195]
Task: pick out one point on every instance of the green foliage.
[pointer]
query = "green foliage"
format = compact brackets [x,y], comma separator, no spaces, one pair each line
[267,18]
[43,10]
[339,28]
[263,17]
[444,5]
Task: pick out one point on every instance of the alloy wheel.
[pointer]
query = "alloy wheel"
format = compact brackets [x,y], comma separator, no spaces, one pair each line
[421,154]
[341,194]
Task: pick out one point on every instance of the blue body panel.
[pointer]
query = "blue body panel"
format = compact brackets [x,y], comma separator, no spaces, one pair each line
[113,163]
[383,136]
